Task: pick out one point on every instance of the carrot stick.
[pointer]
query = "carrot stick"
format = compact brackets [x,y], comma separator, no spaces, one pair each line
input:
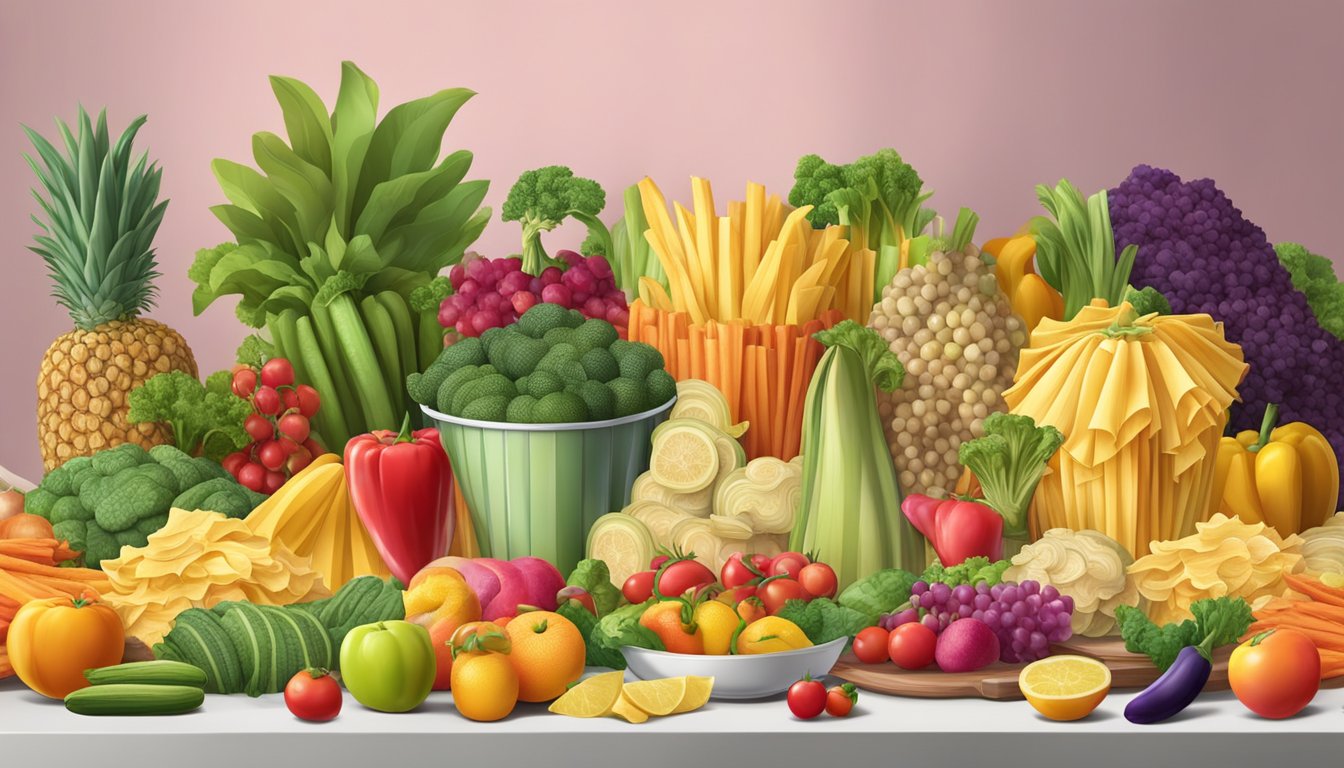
[797,394]
[763,390]
[1315,590]
[748,366]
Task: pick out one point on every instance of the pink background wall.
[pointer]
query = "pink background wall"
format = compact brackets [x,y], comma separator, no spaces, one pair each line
[986,99]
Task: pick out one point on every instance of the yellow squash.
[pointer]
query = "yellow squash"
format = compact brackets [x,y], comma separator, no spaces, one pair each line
[1286,477]
[1029,294]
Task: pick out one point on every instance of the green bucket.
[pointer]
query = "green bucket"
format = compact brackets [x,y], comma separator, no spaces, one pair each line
[535,489]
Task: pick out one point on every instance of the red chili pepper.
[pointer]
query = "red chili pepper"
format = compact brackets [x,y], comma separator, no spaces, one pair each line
[957,528]
[402,487]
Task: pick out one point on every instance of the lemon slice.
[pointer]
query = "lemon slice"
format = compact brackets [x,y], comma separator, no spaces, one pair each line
[593,697]
[684,457]
[1065,687]
[627,709]
[657,697]
[698,690]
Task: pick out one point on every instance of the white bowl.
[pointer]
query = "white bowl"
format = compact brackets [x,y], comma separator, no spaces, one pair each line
[738,677]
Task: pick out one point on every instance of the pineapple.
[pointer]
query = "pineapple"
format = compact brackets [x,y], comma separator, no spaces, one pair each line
[101,213]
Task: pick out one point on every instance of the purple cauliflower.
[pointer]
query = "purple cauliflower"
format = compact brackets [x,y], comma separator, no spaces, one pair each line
[1204,256]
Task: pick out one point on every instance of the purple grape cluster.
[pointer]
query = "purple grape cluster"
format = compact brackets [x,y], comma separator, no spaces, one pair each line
[1199,251]
[1026,617]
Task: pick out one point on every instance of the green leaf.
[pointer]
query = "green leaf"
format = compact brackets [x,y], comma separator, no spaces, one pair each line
[252,192]
[441,233]
[396,197]
[352,125]
[407,141]
[306,121]
[302,184]
[249,270]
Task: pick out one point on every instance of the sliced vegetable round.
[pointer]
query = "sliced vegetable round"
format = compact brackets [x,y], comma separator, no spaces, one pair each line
[623,543]
[685,458]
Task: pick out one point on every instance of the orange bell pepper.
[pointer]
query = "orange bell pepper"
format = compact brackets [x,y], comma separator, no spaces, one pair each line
[52,641]
[673,621]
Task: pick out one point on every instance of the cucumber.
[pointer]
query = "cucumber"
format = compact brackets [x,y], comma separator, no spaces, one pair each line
[161,672]
[135,699]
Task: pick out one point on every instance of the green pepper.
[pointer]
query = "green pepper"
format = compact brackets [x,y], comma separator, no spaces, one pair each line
[388,665]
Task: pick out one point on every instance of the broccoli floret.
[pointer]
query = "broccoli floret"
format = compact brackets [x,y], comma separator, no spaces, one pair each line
[600,365]
[619,347]
[423,387]
[57,481]
[443,399]
[462,353]
[99,545]
[813,180]
[560,353]
[1147,300]
[489,338]
[562,335]
[429,296]
[488,408]
[196,497]
[523,384]
[595,334]
[541,318]
[193,411]
[574,318]
[231,502]
[485,386]
[520,356]
[118,502]
[1008,462]
[40,501]
[1315,277]
[560,408]
[660,386]
[165,454]
[629,395]
[145,527]
[71,531]
[542,383]
[542,199]
[114,460]
[639,361]
[520,409]
[601,403]
[68,508]
[569,371]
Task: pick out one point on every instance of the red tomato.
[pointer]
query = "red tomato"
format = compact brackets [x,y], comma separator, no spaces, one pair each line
[233,462]
[639,587]
[677,577]
[657,561]
[309,401]
[870,645]
[761,563]
[738,571]
[1275,674]
[807,698]
[841,699]
[277,372]
[266,400]
[738,594]
[314,695]
[788,564]
[244,382]
[778,590]
[911,645]
[818,579]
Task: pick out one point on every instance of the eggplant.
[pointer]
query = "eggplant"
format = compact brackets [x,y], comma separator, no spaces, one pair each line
[1173,691]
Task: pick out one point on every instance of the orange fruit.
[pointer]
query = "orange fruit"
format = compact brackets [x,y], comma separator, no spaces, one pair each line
[548,653]
[436,594]
[485,686]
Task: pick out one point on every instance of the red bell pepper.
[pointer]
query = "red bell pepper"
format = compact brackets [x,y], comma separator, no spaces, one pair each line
[402,487]
[957,528]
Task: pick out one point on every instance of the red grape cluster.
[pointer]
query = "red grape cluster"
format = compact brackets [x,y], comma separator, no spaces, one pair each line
[493,293]
[278,425]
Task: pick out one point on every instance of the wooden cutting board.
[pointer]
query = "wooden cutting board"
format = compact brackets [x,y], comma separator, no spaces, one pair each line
[998,681]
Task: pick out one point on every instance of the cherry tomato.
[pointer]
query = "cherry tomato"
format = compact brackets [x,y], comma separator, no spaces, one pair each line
[738,594]
[911,645]
[314,695]
[778,590]
[677,577]
[309,401]
[788,564]
[818,579]
[277,372]
[258,427]
[738,571]
[639,587]
[1275,674]
[313,447]
[761,563]
[272,482]
[266,400]
[233,462]
[841,699]
[294,426]
[807,698]
[252,476]
[271,455]
[289,399]
[244,382]
[299,461]
[870,645]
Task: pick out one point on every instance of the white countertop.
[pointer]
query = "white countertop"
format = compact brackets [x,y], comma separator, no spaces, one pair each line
[236,731]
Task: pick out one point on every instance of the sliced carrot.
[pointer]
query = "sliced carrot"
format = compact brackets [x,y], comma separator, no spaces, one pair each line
[1315,589]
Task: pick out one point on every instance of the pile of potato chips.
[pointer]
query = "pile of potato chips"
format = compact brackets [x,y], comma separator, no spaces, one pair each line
[198,560]
[1225,556]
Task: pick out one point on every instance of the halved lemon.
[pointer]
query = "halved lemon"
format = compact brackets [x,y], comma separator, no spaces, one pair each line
[697,694]
[593,697]
[1065,687]
[657,697]
[684,457]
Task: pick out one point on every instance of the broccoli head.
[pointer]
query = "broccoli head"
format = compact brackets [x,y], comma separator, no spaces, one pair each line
[594,334]
[543,317]
[488,408]
[661,387]
[429,296]
[1314,277]
[629,396]
[600,365]
[1147,300]
[1008,462]
[560,408]
[520,409]
[461,353]
[599,399]
[542,199]
[542,383]
[639,360]
[485,386]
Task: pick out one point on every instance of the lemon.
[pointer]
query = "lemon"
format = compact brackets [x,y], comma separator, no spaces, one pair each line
[656,697]
[698,690]
[771,634]
[593,697]
[684,457]
[718,622]
[628,710]
[1065,687]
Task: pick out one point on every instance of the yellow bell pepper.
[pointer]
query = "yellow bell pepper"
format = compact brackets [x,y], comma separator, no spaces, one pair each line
[1029,294]
[1286,477]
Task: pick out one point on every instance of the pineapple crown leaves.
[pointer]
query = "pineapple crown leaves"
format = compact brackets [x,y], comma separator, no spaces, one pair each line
[1075,247]
[357,194]
[101,215]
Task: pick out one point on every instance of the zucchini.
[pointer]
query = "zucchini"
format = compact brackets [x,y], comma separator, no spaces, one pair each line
[161,672]
[135,699]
